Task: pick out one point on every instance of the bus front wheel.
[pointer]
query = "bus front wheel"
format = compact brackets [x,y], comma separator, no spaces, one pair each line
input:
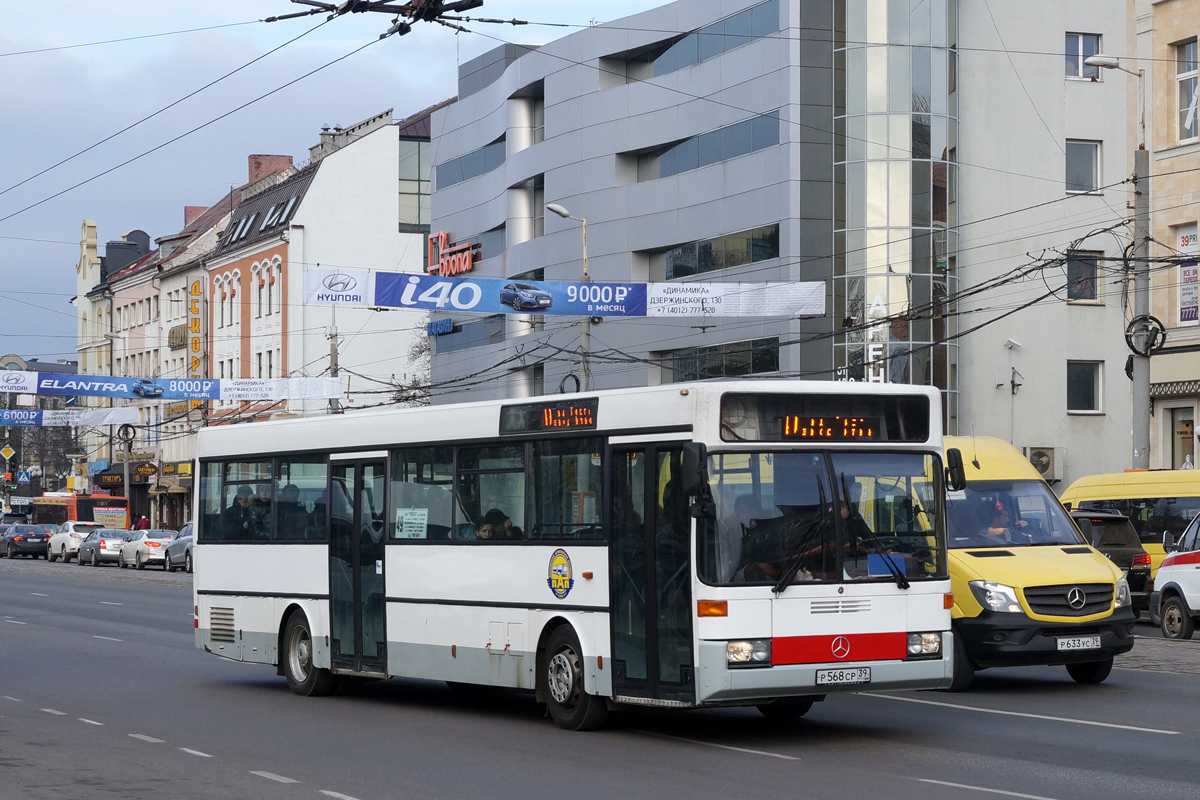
[964,668]
[785,710]
[569,705]
[303,678]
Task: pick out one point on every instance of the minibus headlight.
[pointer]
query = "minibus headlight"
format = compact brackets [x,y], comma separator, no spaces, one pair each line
[996,596]
[924,644]
[1123,598]
[748,653]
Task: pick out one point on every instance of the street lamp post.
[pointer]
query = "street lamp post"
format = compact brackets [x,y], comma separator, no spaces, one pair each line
[1141,269]
[585,325]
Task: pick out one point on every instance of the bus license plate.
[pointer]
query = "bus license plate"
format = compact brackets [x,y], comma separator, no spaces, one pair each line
[843,677]
[1079,643]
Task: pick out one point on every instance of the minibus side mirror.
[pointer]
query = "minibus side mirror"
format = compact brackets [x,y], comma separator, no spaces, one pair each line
[695,468]
[1168,542]
[956,476]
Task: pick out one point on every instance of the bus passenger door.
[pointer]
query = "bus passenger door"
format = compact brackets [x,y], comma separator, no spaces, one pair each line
[358,634]
[651,575]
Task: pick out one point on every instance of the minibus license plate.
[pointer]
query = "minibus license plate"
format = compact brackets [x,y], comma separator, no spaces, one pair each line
[1079,643]
[843,677]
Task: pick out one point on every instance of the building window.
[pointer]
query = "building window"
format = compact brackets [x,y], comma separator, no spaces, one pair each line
[1083,387]
[710,148]
[1185,76]
[471,334]
[491,244]
[1079,47]
[731,250]
[259,357]
[472,165]
[1083,166]
[538,112]
[259,310]
[538,190]
[713,40]
[270,293]
[1083,276]
[721,361]
[414,186]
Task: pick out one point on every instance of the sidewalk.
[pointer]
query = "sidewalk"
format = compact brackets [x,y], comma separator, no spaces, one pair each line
[1152,654]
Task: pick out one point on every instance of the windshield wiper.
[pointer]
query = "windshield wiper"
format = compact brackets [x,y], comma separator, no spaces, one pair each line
[871,542]
[818,523]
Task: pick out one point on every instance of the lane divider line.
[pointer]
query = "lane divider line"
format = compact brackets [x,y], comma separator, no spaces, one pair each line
[14,622]
[336,795]
[15,700]
[983,789]
[271,776]
[722,746]
[39,594]
[108,603]
[146,738]
[105,638]
[195,752]
[1020,714]
[55,713]
[89,721]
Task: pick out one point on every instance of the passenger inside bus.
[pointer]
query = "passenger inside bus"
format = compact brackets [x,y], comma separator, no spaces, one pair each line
[497,526]
[294,520]
[262,513]
[238,520]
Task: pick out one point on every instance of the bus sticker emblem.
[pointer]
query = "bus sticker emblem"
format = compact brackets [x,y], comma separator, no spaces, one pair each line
[558,576]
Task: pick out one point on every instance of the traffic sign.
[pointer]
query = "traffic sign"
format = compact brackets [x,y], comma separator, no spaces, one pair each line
[22,477]
[7,452]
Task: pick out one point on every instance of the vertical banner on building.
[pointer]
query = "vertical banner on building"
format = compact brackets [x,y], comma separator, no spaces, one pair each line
[195,327]
[1189,289]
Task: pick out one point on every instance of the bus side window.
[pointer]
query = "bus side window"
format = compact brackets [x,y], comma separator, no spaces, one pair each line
[422,499]
[301,486]
[568,482]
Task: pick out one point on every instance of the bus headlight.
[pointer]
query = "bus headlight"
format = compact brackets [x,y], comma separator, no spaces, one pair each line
[924,644]
[1123,598]
[748,653]
[996,596]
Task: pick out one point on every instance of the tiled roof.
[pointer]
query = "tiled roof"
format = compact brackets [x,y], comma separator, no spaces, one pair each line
[264,215]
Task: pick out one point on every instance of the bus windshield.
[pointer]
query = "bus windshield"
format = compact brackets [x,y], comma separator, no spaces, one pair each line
[842,516]
[1008,514]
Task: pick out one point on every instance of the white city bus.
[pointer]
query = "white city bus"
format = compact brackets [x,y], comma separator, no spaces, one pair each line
[730,543]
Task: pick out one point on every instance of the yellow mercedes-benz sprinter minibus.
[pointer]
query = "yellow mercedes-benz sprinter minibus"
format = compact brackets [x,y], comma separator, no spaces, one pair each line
[1028,589]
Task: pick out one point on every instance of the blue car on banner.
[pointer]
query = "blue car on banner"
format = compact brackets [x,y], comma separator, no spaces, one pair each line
[525,297]
[144,387]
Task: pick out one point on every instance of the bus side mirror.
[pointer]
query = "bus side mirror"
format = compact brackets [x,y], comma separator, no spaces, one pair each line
[956,476]
[695,468]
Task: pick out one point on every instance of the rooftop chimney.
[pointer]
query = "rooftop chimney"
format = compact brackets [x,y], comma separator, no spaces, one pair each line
[191,212]
[263,165]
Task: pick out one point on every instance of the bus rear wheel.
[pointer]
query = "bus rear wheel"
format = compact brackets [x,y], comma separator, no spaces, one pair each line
[303,678]
[569,705]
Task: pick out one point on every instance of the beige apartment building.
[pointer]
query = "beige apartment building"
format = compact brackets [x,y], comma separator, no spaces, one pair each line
[1166,48]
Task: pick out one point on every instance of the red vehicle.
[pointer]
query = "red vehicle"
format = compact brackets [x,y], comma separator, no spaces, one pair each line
[55,508]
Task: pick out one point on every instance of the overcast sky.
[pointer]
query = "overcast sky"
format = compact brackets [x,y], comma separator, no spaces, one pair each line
[61,101]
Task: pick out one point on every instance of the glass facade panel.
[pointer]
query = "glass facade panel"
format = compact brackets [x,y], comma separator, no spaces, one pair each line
[731,250]
[471,165]
[735,358]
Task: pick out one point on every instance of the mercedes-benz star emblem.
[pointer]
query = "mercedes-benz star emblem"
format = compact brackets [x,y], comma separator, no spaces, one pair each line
[841,647]
[339,282]
[1076,598]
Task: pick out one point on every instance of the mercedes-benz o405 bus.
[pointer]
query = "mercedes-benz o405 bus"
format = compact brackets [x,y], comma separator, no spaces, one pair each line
[733,543]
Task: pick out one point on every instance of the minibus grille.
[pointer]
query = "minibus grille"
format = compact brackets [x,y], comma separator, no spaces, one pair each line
[1055,601]
[220,621]
[855,606]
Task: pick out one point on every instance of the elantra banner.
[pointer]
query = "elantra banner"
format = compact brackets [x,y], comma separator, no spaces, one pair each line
[183,388]
[499,296]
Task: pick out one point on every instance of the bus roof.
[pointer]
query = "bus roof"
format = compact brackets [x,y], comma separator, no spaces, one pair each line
[1136,485]
[669,407]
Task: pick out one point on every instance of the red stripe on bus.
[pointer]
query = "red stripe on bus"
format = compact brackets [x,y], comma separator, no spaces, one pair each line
[838,647]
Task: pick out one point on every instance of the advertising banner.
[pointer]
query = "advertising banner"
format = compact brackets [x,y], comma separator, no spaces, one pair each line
[185,388]
[330,286]
[499,296]
[33,418]
[12,380]
[805,299]
[1189,296]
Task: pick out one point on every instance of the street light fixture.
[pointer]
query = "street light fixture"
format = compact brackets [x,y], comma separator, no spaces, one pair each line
[585,325]
[1139,328]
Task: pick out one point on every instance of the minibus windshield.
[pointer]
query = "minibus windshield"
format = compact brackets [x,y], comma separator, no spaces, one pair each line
[1008,514]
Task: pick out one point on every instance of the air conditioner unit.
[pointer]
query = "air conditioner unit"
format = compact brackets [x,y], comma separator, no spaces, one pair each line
[1047,461]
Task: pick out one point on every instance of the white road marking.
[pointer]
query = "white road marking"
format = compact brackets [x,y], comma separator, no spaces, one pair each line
[1020,714]
[15,700]
[983,789]
[107,603]
[195,752]
[89,721]
[271,776]
[14,622]
[723,746]
[39,594]
[337,795]
[106,638]
[145,738]
[55,713]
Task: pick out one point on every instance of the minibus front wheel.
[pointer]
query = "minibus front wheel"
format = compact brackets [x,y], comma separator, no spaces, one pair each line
[1090,671]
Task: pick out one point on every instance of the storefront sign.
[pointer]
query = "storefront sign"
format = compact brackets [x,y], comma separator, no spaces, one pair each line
[177,337]
[1189,288]
[195,334]
[446,259]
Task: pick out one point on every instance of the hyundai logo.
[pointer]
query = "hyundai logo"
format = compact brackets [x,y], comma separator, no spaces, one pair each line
[1076,598]
[13,378]
[339,282]
[841,647]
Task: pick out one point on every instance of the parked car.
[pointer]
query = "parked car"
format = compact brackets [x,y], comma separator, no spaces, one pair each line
[525,297]
[64,543]
[102,546]
[1113,534]
[144,387]
[13,517]
[1175,598]
[23,540]
[178,554]
[144,547]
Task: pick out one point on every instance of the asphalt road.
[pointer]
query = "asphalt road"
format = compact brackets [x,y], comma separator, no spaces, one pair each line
[103,695]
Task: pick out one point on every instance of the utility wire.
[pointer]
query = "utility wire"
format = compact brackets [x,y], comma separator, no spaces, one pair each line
[130,38]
